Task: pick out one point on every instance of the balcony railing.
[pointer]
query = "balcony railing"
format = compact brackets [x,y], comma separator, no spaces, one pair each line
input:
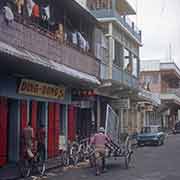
[28,36]
[173,91]
[125,21]
[120,76]
[150,96]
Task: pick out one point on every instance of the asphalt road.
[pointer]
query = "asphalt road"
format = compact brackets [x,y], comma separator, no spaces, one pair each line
[149,163]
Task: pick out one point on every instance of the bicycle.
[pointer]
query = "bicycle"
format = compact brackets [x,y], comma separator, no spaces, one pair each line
[27,165]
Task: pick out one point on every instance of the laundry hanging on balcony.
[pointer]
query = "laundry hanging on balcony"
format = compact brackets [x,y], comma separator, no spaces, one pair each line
[8,14]
[42,3]
[29,5]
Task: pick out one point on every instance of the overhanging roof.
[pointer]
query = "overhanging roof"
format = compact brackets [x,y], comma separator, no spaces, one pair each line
[124,8]
[27,56]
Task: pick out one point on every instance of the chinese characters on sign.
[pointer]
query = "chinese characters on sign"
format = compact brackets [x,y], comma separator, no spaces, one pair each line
[35,88]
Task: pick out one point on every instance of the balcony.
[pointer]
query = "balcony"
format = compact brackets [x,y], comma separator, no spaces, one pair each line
[120,76]
[171,94]
[28,37]
[110,14]
[145,95]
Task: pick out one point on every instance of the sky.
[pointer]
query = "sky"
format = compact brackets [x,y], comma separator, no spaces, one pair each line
[160,25]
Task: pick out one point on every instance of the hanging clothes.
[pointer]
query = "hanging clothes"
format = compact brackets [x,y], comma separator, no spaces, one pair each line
[82,41]
[87,46]
[8,14]
[47,11]
[74,38]
[20,5]
[29,5]
[36,11]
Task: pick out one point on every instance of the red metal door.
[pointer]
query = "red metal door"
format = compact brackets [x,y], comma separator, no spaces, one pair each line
[50,130]
[71,123]
[3,131]
[34,117]
[33,120]
[23,112]
[53,129]
[57,128]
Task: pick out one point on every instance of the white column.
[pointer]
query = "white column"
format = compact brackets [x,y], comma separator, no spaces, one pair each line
[111,50]
[122,120]
[98,112]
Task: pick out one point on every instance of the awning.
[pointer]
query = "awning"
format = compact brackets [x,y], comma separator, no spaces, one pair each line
[154,98]
[25,55]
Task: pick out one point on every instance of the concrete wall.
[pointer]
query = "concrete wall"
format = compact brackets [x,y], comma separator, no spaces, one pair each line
[44,44]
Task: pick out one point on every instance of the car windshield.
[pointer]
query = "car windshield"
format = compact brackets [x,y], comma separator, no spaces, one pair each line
[152,129]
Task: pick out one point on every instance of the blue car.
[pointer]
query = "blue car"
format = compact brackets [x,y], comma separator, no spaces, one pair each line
[151,135]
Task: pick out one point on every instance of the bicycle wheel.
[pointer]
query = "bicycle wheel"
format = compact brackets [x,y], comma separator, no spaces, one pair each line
[74,153]
[24,168]
[65,159]
[41,167]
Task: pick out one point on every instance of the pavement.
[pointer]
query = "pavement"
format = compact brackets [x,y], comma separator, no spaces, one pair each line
[148,163]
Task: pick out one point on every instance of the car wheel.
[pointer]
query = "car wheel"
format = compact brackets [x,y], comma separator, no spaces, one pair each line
[139,144]
[159,142]
[162,142]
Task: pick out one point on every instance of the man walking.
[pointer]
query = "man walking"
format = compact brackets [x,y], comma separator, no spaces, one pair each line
[28,136]
[99,140]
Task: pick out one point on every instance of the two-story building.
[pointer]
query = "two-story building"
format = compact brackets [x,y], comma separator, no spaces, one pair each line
[46,51]
[119,72]
[163,78]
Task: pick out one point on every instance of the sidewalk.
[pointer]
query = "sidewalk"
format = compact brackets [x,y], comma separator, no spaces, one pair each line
[11,172]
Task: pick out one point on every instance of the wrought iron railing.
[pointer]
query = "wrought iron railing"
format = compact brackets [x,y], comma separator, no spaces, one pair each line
[124,20]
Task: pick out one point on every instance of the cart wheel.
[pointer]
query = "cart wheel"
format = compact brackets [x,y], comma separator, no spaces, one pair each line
[128,160]
[128,152]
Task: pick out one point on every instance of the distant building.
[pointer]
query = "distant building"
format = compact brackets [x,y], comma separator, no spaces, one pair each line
[164,78]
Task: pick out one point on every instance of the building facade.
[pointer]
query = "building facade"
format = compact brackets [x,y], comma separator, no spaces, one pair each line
[119,72]
[43,58]
[163,78]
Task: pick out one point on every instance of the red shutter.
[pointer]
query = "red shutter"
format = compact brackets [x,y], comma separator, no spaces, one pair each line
[34,121]
[3,131]
[50,130]
[23,110]
[53,129]
[71,123]
[57,128]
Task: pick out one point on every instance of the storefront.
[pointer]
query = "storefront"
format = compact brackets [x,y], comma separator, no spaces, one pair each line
[45,105]
[84,103]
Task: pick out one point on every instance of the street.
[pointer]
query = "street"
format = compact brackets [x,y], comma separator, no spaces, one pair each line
[149,163]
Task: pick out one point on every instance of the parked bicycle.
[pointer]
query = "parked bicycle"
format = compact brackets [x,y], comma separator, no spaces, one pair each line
[79,151]
[28,165]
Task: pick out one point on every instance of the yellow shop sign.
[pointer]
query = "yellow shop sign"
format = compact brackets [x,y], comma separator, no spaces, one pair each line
[35,88]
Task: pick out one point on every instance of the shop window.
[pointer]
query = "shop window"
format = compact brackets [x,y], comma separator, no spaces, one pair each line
[118,54]
[127,66]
